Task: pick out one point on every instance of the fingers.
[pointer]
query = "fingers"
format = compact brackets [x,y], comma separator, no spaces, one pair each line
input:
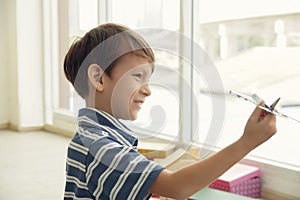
[268,120]
[258,113]
[269,117]
[260,127]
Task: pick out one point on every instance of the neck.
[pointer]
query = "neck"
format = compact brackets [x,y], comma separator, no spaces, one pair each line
[91,103]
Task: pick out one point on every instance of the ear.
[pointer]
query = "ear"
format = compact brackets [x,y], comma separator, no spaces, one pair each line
[95,73]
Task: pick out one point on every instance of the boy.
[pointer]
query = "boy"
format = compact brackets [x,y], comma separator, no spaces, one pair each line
[102,163]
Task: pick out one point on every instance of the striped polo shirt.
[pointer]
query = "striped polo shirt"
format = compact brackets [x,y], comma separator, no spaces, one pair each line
[103,162]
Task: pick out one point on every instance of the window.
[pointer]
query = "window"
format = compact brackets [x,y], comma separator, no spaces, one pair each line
[256,51]
[253,46]
[253,52]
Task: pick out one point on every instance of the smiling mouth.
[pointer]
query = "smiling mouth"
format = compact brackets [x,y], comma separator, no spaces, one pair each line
[139,103]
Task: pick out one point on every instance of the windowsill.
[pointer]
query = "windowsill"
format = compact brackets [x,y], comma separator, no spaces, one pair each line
[279,181]
[64,123]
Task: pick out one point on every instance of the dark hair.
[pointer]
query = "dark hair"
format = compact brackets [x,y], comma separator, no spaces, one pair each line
[91,49]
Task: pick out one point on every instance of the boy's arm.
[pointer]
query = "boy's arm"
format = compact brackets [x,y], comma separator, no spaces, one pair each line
[188,180]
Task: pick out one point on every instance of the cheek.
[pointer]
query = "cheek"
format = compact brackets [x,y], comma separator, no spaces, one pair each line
[122,96]
[125,89]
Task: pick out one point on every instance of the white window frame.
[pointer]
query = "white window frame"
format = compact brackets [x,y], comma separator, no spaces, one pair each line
[55,45]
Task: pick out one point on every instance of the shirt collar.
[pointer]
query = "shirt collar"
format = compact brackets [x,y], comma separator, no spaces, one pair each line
[105,119]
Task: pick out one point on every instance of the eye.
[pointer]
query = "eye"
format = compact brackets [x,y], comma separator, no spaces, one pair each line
[138,75]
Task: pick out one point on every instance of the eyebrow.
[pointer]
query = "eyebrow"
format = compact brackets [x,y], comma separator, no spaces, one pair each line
[143,68]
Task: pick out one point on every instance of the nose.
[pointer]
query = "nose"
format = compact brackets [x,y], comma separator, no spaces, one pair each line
[145,90]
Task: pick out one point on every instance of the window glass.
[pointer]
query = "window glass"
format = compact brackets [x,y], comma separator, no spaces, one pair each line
[147,13]
[160,113]
[83,16]
[255,47]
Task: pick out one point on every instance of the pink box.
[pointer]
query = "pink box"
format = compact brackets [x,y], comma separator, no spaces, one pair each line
[240,179]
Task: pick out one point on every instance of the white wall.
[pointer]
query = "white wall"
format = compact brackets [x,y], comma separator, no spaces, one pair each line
[30,62]
[3,64]
[21,77]
[12,62]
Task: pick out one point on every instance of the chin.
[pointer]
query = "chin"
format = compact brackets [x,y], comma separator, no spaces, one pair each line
[133,116]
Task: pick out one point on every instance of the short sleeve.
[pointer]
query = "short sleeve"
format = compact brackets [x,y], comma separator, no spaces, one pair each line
[116,171]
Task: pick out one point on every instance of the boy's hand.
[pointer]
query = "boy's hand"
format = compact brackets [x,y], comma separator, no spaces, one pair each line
[260,127]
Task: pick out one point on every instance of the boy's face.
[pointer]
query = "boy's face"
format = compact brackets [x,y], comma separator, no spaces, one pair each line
[127,86]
